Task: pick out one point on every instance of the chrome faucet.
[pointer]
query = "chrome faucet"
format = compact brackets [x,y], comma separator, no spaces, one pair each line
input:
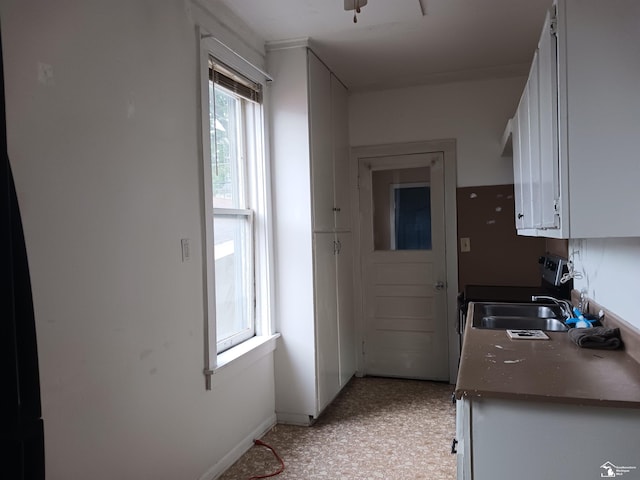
[566,307]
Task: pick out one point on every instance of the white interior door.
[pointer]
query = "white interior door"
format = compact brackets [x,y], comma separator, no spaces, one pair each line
[403,266]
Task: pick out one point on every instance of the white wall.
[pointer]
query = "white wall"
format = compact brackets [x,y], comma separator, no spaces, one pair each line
[473,113]
[611,273]
[105,158]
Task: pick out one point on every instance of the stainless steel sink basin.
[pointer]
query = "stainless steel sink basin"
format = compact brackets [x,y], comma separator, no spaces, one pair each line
[522,310]
[523,323]
[519,316]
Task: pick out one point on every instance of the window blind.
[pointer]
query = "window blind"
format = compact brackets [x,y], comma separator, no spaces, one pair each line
[233,81]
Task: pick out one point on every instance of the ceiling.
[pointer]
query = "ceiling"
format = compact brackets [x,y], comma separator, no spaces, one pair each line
[394,44]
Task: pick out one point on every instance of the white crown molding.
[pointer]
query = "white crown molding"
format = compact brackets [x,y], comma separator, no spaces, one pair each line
[302,42]
[503,71]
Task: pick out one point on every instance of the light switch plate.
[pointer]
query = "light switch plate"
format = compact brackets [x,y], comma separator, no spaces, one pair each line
[465,244]
[45,73]
[186,249]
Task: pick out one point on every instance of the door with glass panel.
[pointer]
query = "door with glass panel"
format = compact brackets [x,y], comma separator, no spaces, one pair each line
[403,266]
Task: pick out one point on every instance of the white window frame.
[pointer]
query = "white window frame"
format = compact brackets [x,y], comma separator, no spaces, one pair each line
[247,154]
[263,342]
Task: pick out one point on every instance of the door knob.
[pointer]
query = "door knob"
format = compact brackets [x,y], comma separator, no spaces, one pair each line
[439,285]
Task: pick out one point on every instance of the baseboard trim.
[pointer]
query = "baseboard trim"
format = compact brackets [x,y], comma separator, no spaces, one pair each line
[240,449]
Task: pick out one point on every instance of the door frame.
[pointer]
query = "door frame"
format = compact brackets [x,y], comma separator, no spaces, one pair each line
[448,149]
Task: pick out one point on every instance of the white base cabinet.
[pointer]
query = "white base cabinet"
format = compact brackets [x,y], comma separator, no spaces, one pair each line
[507,439]
[463,440]
[575,154]
[316,356]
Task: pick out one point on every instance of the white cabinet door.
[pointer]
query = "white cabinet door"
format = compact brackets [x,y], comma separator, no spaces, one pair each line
[533,190]
[463,437]
[517,169]
[321,144]
[527,160]
[531,440]
[340,125]
[335,328]
[346,323]
[522,165]
[548,133]
[326,318]
[536,167]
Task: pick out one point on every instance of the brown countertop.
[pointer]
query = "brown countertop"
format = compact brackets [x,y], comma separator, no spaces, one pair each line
[554,370]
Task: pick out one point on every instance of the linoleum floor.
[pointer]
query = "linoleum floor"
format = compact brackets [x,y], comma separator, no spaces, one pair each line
[377,428]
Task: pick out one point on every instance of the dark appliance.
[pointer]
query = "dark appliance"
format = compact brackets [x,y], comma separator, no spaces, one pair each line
[552,270]
[21,428]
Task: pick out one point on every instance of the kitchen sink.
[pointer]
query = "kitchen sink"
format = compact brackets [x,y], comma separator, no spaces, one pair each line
[523,323]
[522,310]
[519,316]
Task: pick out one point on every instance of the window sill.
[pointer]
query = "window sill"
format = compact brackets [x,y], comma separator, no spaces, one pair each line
[233,361]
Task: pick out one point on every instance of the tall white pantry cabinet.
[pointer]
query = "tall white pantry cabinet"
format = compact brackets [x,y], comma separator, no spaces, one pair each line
[316,355]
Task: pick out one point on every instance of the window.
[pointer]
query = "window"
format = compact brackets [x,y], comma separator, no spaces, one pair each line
[402,208]
[235,206]
[411,217]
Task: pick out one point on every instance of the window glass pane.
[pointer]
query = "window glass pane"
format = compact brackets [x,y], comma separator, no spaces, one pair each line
[412,207]
[402,209]
[234,276]
[226,165]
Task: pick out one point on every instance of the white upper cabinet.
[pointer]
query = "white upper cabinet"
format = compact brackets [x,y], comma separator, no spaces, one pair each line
[535,165]
[547,69]
[329,149]
[340,127]
[575,133]
[526,156]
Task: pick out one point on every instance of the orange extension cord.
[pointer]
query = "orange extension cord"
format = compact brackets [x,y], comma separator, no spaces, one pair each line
[279,471]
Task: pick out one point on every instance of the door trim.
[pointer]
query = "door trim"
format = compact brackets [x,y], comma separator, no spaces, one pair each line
[448,148]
